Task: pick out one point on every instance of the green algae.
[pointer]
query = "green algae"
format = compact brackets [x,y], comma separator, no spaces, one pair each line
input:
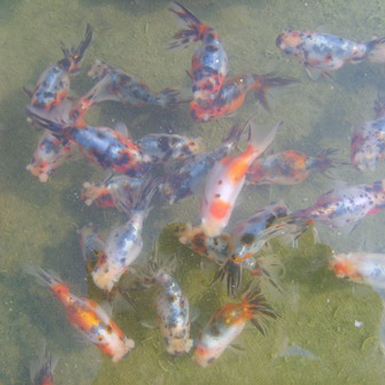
[38,222]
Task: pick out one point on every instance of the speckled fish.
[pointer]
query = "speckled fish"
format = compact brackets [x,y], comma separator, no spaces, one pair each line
[367,147]
[49,155]
[360,267]
[104,194]
[190,177]
[88,318]
[233,93]
[245,241]
[162,148]
[115,85]
[226,179]
[322,54]
[209,65]
[288,167]
[124,243]
[172,305]
[345,206]
[41,371]
[53,85]
[99,145]
[228,322]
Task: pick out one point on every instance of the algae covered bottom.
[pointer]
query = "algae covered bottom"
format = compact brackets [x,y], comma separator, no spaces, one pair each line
[328,330]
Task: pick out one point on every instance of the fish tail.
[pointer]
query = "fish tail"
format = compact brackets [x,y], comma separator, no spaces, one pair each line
[53,122]
[234,135]
[77,53]
[258,140]
[232,272]
[169,97]
[257,308]
[376,50]
[263,83]
[43,366]
[193,30]
[138,199]
[44,278]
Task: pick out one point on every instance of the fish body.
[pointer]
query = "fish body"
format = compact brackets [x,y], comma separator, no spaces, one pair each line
[53,85]
[113,84]
[344,207]
[246,240]
[88,318]
[162,148]
[360,267]
[104,194]
[227,323]
[190,176]
[287,168]
[124,243]
[368,144]
[173,311]
[233,93]
[49,155]
[209,64]
[322,53]
[102,146]
[225,181]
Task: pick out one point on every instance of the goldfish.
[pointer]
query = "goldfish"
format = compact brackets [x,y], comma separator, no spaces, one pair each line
[113,84]
[228,322]
[190,177]
[49,155]
[104,194]
[209,64]
[225,180]
[42,370]
[288,167]
[232,95]
[164,148]
[245,241]
[102,146]
[53,85]
[171,304]
[345,206]
[87,317]
[360,267]
[322,54]
[367,147]
[124,243]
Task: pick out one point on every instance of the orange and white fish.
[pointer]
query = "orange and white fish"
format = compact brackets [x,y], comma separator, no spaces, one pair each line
[360,267]
[226,179]
[87,317]
[228,322]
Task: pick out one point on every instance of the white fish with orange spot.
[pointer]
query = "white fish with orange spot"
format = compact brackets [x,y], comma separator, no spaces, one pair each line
[226,179]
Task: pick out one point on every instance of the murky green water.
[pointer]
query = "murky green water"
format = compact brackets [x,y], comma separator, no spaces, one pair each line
[38,221]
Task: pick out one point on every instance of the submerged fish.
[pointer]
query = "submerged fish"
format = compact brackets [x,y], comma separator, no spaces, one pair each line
[54,84]
[88,318]
[322,54]
[228,322]
[209,65]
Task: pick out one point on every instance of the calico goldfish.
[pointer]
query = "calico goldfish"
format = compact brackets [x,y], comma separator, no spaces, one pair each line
[209,65]
[321,53]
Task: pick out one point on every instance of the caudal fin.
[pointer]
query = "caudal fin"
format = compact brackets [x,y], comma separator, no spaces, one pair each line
[232,272]
[263,83]
[376,50]
[193,27]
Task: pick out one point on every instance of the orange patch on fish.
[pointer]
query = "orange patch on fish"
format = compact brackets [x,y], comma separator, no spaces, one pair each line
[219,209]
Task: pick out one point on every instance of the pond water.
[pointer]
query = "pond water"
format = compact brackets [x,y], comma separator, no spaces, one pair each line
[328,331]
